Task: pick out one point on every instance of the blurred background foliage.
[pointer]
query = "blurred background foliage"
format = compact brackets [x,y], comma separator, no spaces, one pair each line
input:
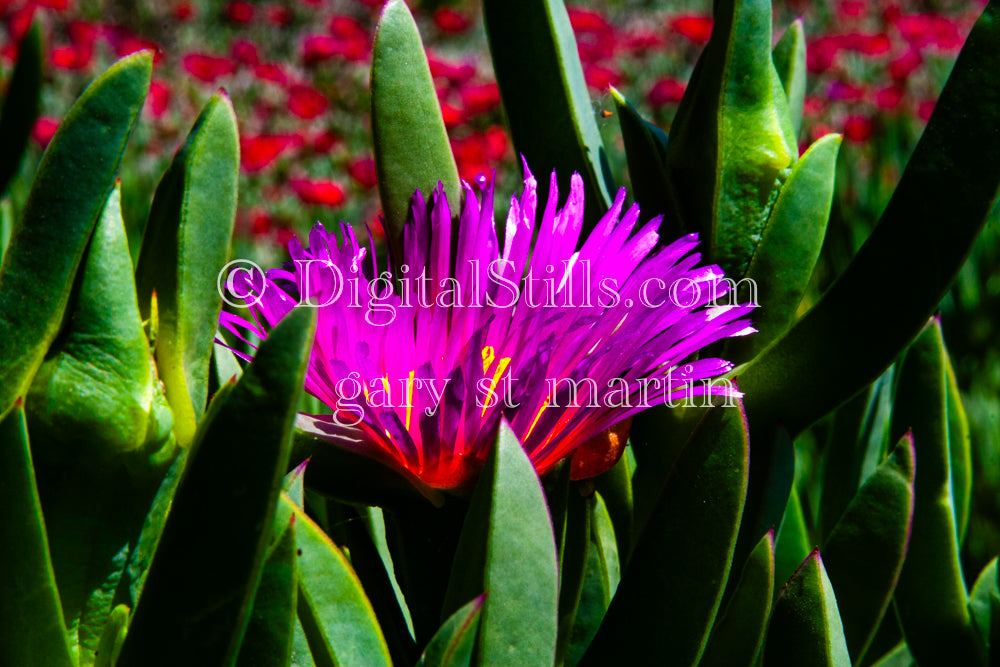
[297,75]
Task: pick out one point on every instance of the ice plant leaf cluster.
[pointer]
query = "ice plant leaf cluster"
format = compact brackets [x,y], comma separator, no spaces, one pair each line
[491,468]
[418,364]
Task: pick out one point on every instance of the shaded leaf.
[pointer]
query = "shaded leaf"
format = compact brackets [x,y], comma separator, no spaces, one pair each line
[789,56]
[739,631]
[805,626]
[198,593]
[670,592]
[32,631]
[452,645]
[865,551]
[545,97]
[985,594]
[930,596]
[20,105]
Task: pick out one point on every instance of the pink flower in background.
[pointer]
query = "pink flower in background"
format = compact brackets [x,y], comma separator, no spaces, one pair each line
[362,170]
[450,20]
[43,130]
[694,27]
[259,152]
[158,100]
[665,91]
[239,12]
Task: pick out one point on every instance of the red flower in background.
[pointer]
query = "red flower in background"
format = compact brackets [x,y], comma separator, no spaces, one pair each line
[362,170]
[695,27]
[158,100]
[278,15]
[480,98]
[453,73]
[665,91]
[271,72]
[43,130]
[306,102]
[858,128]
[600,77]
[239,12]
[184,11]
[450,20]
[260,152]
[320,192]
[244,52]
[207,68]
[324,141]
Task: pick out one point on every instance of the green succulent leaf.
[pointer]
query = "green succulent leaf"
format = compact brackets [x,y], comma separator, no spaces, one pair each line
[73,181]
[793,543]
[20,106]
[739,631]
[411,145]
[865,551]
[336,616]
[615,489]
[645,150]
[732,136]
[572,566]
[32,630]
[960,452]
[789,56]
[96,388]
[671,590]
[931,597]
[452,645]
[197,596]
[983,602]
[6,224]
[805,626]
[112,637]
[507,548]
[268,639]
[910,246]
[185,246]
[899,656]
[789,248]
[545,97]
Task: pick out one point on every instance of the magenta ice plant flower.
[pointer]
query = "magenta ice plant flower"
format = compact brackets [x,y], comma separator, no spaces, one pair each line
[566,337]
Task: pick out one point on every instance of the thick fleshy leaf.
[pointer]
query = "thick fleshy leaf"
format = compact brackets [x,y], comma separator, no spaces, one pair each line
[337,619]
[600,581]
[268,639]
[645,150]
[545,97]
[411,145]
[20,104]
[739,631]
[789,57]
[865,551]
[96,389]
[793,543]
[572,566]
[73,181]
[960,452]
[789,248]
[670,592]
[32,631]
[805,626]
[951,158]
[185,246]
[198,593]
[900,656]
[452,645]
[6,224]
[856,445]
[615,489]
[732,136]
[507,549]
[931,597]
[112,638]
[983,600]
